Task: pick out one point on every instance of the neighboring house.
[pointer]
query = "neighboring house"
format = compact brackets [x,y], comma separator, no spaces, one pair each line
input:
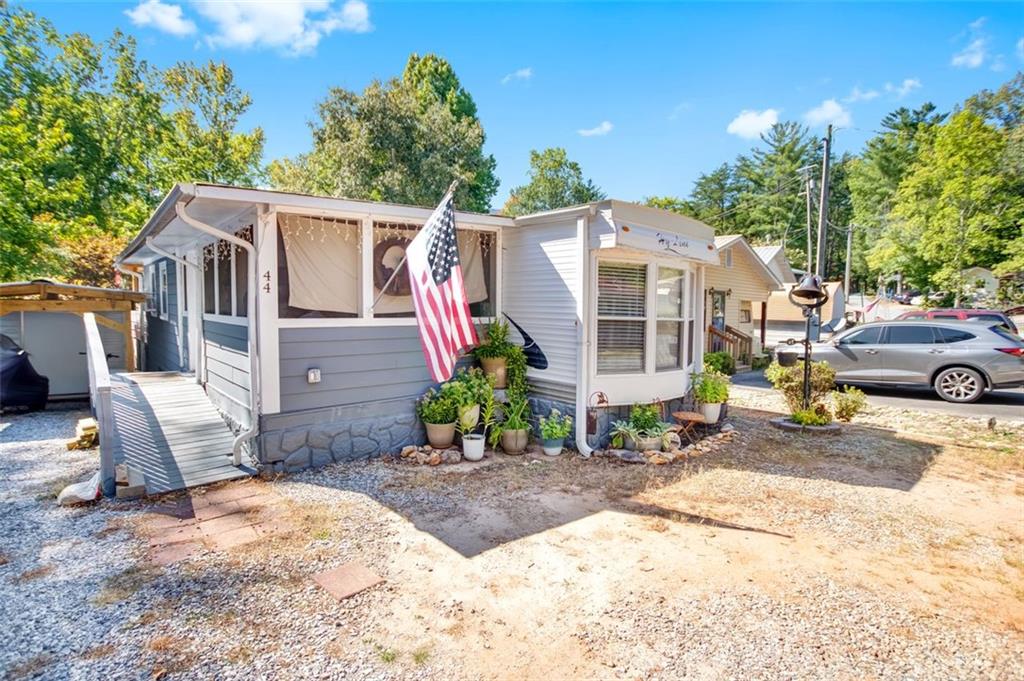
[980,280]
[775,258]
[737,294]
[277,318]
[786,320]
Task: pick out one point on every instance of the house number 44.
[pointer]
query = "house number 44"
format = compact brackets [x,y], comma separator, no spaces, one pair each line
[266,278]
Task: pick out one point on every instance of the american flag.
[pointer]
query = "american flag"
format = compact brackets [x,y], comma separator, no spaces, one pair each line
[438,293]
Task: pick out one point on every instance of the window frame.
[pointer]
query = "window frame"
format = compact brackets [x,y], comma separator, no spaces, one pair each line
[218,315]
[163,302]
[650,384]
[366,221]
[681,320]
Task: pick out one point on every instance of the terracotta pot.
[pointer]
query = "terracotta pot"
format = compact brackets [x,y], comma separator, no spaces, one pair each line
[514,441]
[496,367]
[440,435]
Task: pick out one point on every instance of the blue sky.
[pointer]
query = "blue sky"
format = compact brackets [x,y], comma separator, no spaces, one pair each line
[644,96]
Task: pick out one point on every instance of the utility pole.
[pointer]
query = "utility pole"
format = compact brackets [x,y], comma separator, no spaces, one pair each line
[849,256]
[823,206]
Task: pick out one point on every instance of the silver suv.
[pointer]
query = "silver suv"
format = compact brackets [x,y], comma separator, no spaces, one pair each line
[960,360]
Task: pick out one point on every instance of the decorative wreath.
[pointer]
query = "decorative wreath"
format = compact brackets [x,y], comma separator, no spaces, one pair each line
[381,272]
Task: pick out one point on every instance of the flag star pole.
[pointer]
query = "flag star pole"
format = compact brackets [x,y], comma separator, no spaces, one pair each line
[451,190]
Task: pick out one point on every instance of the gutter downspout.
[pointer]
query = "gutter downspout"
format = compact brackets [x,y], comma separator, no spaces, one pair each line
[254,369]
[142,316]
[583,334]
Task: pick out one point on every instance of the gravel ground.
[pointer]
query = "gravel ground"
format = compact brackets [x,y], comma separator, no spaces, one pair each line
[772,558]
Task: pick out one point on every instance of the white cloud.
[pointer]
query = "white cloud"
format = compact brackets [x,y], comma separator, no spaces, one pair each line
[976,52]
[749,124]
[518,74]
[679,109]
[858,95]
[903,89]
[295,27]
[1020,49]
[603,129]
[166,18]
[829,111]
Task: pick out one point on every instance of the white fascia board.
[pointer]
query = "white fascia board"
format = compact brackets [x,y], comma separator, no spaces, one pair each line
[663,243]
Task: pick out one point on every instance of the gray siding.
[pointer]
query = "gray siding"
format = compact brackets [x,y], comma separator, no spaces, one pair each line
[357,365]
[162,335]
[10,326]
[227,367]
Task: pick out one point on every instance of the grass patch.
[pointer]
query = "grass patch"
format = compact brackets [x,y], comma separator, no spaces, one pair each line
[322,534]
[241,654]
[164,644]
[34,573]
[386,655]
[97,652]
[421,655]
[123,586]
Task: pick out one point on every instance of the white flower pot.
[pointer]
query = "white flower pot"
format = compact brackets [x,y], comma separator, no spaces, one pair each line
[473,447]
[711,412]
[553,447]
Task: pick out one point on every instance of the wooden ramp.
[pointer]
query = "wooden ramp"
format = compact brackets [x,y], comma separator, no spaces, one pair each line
[166,428]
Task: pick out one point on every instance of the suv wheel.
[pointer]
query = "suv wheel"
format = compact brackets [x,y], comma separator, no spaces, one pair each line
[959,384]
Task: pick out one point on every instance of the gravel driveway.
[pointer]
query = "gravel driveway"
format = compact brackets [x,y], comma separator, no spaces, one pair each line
[883,553]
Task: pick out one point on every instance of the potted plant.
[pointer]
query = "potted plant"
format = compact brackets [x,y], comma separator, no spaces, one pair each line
[624,435]
[645,419]
[493,353]
[711,390]
[468,390]
[514,430]
[473,443]
[553,431]
[438,413]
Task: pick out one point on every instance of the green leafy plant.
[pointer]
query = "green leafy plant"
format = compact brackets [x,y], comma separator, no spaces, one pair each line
[468,387]
[760,362]
[644,417]
[515,372]
[722,362]
[515,416]
[555,426]
[436,407]
[711,387]
[496,344]
[817,415]
[848,402]
[790,382]
[488,409]
[623,431]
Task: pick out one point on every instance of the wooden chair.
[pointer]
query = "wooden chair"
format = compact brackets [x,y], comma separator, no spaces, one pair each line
[688,422]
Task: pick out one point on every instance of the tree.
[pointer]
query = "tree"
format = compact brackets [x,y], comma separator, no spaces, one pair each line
[957,204]
[672,204]
[402,141]
[555,182]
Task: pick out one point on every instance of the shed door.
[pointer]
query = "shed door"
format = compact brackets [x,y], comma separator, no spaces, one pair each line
[55,342]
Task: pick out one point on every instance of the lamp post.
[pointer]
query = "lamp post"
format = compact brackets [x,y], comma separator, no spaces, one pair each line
[809,295]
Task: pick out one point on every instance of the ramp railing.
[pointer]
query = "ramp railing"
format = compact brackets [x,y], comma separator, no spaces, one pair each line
[100,400]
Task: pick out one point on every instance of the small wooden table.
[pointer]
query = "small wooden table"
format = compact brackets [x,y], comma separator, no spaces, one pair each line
[688,422]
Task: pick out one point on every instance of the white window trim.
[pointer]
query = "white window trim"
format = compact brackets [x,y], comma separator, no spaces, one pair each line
[366,296]
[217,315]
[651,385]
[163,299]
[681,319]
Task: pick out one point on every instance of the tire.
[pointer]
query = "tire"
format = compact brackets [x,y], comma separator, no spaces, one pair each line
[960,385]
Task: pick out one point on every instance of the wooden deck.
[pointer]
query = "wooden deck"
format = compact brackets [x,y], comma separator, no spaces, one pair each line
[167,429]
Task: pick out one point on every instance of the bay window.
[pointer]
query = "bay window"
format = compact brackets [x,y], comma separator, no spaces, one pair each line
[671,309]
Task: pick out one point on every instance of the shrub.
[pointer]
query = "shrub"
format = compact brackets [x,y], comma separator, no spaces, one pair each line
[555,426]
[760,362]
[817,415]
[790,382]
[644,417]
[497,343]
[515,368]
[721,362]
[435,407]
[468,387]
[848,402]
[710,387]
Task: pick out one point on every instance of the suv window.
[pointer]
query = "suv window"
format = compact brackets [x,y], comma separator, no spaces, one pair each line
[948,335]
[867,336]
[989,318]
[908,335]
[1007,334]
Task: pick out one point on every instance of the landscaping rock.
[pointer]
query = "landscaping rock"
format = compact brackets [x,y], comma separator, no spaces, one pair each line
[627,455]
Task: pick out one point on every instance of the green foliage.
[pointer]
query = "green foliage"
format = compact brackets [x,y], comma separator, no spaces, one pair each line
[436,407]
[555,426]
[515,371]
[710,387]
[790,382]
[515,416]
[759,362]
[468,387]
[623,431]
[496,343]
[402,141]
[848,402]
[89,137]
[555,182]
[721,362]
[644,417]
[817,415]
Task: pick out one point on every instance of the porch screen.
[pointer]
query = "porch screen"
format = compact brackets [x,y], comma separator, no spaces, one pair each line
[621,317]
[322,257]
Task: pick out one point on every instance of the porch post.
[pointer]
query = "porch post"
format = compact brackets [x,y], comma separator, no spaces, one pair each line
[764,321]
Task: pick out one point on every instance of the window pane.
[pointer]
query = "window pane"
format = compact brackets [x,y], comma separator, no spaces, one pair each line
[670,338]
[910,335]
[670,292]
[479,269]
[690,328]
[318,266]
[953,335]
[241,281]
[209,294]
[868,336]
[224,278]
[183,273]
[621,290]
[620,347]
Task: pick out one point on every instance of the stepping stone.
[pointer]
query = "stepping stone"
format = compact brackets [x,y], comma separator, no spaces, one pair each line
[347,580]
[222,541]
[172,553]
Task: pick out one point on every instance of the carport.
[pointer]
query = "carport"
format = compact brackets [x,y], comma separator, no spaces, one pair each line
[45,318]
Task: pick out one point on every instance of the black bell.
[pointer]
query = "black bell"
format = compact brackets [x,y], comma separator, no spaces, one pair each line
[809,291]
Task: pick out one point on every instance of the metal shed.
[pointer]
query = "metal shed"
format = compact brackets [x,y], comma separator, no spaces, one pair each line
[45,318]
